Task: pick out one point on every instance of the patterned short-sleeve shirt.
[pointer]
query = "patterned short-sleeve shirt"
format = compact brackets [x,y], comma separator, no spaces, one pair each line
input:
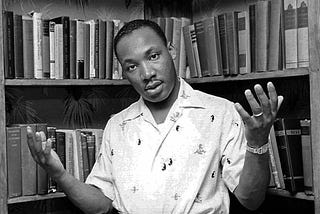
[185,165]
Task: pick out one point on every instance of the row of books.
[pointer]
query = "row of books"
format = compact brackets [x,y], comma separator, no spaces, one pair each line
[267,36]
[59,48]
[291,155]
[76,149]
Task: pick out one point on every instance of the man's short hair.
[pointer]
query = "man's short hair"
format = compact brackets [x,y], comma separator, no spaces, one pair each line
[137,24]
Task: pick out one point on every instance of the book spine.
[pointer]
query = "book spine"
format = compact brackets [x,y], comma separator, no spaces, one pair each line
[52,185]
[86,50]
[288,135]
[52,46]
[115,69]
[201,42]
[252,26]
[80,50]
[191,61]
[290,33]
[37,45]
[102,49]
[223,44]
[85,156]
[307,155]
[262,35]
[27,28]
[168,29]
[45,49]
[273,167]
[176,36]
[8,44]
[109,48]
[183,54]
[18,46]
[96,50]
[72,51]
[42,176]
[61,149]
[58,55]
[92,71]
[14,161]
[303,34]
[244,43]
[91,150]
[66,47]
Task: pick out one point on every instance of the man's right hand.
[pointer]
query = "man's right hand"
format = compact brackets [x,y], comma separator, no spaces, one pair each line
[43,154]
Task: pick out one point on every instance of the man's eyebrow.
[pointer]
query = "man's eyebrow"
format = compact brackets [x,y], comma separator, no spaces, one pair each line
[150,50]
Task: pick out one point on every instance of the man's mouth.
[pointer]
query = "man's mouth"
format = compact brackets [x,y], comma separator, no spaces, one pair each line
[152,85]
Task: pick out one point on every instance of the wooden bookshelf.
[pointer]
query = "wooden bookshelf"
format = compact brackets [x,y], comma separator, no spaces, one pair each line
[88,82]
[36,197]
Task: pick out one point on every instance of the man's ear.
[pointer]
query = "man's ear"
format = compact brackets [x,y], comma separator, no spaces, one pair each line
[172,50]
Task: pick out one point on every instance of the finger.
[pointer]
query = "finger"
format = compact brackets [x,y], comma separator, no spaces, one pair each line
[47,147]
[280,101]
[243,114]
[254,105]
[264,100]
[273,97]
[31,140]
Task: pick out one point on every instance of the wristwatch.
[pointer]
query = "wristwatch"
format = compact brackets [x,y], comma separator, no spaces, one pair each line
[261,150]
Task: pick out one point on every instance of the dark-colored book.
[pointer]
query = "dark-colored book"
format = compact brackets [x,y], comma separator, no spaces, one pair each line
[27,36]
[102,48]
[252,25]
[232,42]
[18,46]
[223,43]
[65,21]
[288,136]
[14,161]
[72,51]
[86,51]
[85,156]
[91,140]
[201,42]
[109,48]
[61,150]
[8,44]
[190,38]
[42,176]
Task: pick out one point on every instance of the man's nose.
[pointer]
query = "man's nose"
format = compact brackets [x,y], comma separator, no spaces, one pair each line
[147,71]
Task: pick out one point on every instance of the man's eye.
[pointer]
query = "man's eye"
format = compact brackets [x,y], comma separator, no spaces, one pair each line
[154,56]
[131,67]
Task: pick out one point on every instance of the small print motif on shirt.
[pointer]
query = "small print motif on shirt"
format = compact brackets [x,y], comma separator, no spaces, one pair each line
[200,150]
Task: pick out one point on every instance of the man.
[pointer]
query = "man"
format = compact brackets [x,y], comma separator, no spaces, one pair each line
[175,150]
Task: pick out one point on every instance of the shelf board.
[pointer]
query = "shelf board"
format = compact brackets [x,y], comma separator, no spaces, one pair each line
[35,197]
[88,82]
[285,193]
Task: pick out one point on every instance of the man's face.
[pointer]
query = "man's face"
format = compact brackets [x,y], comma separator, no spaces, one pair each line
[147,63]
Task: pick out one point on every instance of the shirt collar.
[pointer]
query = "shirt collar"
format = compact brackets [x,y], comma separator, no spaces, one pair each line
[187,98]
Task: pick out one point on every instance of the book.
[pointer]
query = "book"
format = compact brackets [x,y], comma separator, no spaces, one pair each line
[13,136]
[18,46]
[92,41]
[58,51]
[27,36]
[274,177]
[262,21]
[303,33]
[213,48]
[252,26]
[65,21]
[61,150]
[244,42]
[72,51]
[176,37]
[8,44]
[275,55]
[28,164]
[45,49]
[101,39]
[183,56]
[290,33]
[168,29]
[51,130]
[275,151]
[307,155]
[42,176]
[80,49]
[84,155]
[288,136]
[91,141]
[223,43]
[37,45]
[190,43]
[52,46]
[232,41]
[109,48]
[115,69]
[69,151]
[86,51]
[202,52]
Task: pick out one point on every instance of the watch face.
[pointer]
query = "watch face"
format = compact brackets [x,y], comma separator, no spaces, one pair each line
[261,150]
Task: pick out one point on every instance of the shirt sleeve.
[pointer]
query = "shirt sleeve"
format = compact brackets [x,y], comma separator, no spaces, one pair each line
[233,149]
[101,173]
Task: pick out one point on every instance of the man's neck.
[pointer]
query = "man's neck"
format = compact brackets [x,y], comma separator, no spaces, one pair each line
[160,110]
